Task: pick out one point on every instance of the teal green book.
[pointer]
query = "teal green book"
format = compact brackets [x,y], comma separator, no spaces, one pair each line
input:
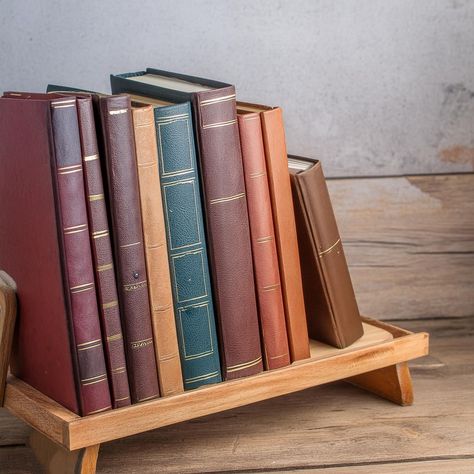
[187,249]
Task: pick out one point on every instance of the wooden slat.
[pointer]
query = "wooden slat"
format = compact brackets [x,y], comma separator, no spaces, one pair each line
[409,242]
[38,410]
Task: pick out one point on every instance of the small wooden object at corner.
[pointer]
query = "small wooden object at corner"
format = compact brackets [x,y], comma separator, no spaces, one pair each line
[7,327]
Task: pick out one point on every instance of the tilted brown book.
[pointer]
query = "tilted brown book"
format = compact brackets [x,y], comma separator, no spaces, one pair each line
[156,252]
[285,228]
[331,307]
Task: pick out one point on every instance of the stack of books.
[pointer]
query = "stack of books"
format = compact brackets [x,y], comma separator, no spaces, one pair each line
[155,237]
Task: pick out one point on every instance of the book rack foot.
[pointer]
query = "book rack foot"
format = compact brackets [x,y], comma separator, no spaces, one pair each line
[64,442]
[392,383]
[56,459]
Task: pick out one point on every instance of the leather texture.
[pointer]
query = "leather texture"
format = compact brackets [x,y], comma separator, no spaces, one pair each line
[54,119]
[192,291]
[228,233]
[265,258]
[285,230]
[102,254]
[156,253]
[331,306]
[129,251]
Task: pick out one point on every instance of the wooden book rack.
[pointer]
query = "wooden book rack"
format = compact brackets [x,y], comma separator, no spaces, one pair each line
[64,442]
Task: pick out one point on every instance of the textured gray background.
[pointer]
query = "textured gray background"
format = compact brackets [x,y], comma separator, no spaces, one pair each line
[372,87]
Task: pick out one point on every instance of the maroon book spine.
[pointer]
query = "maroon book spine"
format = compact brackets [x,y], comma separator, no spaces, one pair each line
[228,233]
[79,273]
[127,237]
[109,310]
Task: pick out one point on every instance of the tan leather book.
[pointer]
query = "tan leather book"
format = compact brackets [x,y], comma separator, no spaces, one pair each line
[156,252]
[271,310]
[285,227]
[331,306]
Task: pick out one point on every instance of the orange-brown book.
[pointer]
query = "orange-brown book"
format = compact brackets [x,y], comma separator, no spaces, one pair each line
[285,227]
[265,258]
[156,253]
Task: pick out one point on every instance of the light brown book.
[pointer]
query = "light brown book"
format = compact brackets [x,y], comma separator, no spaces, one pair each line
[156,252]
[285,227]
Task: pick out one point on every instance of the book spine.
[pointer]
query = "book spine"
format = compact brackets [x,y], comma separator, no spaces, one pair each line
[192,292]
[156,253]
[129,251]
[285,231]
[333,314]
[109,310]
[228,233]
[267,274]
[93,379]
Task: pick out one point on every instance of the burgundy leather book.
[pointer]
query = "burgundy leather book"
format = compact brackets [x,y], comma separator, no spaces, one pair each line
[102,254]
[127,237]
[45,247]
[225,205]
[271,310]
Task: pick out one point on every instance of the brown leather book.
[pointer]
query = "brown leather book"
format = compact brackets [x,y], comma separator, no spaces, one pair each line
[45,247]
[128,245]
[102,254]
[285,227]
[225,204]
[265,258]
[156,252]
[331,307]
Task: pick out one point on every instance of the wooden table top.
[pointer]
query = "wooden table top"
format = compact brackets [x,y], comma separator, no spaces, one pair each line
[333,428]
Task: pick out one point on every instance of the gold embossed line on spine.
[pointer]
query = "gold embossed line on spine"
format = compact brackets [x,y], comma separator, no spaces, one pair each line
[332,247]
[227,199]
[244,365]
[220,124]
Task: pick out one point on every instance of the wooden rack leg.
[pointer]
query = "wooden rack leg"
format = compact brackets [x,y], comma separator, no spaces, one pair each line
[58,460]
[392,383]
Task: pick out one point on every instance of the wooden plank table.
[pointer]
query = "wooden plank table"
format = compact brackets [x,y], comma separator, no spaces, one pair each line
[333,428]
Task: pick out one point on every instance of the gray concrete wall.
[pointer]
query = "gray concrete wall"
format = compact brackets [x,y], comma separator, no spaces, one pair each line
[371,87]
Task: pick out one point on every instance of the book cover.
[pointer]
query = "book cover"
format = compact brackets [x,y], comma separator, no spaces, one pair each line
[285,228]
[186,239]
[127,238]
[156,252]
[109,310]
[58,347]
[267,274]
[331,306]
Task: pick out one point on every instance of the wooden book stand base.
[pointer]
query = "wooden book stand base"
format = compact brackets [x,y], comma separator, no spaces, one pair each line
[66,443]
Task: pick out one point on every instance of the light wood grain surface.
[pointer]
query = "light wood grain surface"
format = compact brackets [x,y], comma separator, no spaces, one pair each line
[409,243]
[337,427]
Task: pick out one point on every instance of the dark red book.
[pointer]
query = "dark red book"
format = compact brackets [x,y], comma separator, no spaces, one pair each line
[45,247]
[109,310]
[129,250]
